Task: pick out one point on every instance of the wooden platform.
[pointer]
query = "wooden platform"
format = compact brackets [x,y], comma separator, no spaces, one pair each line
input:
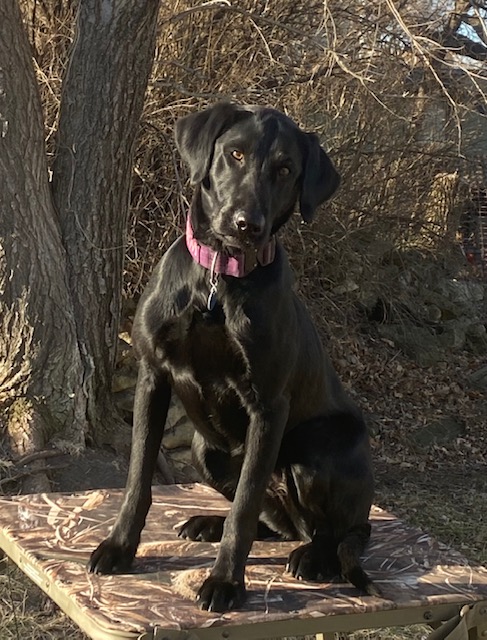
[50,537]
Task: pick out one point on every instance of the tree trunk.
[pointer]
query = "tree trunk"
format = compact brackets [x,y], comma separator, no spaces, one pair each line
[40,365]
[102,100]
[61,264]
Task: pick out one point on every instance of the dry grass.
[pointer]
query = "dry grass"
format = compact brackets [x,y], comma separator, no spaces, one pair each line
[448,502]
[25,612]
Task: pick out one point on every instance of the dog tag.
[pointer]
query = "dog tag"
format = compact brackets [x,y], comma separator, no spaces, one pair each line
[212,300]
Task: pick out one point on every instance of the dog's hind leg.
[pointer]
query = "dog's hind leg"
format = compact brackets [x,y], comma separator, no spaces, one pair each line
[210,529]
[323,558]
[330,487]
[349,551]
[221,470]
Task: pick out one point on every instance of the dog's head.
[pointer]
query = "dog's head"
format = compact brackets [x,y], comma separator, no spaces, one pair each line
[252,165]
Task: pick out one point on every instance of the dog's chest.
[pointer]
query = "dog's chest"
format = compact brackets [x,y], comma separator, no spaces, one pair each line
[198,345]
[207,366]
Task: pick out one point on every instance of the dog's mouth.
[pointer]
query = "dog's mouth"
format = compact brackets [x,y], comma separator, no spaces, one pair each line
[234,244]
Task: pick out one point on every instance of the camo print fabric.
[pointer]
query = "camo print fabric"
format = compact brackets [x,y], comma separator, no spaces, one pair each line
[57,532]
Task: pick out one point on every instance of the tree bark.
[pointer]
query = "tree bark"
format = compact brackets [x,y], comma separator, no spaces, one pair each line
[61,258]
[40,365]
[102,100]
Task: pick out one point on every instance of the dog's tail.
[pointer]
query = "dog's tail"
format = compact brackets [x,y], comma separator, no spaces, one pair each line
[349,551]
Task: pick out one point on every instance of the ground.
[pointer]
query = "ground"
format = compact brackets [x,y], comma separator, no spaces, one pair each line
[429,441]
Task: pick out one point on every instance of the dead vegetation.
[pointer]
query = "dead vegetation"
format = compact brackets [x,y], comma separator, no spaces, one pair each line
[403,116]
[395,107]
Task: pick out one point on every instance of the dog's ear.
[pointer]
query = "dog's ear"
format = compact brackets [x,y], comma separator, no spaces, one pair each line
[320,178]
[196,134]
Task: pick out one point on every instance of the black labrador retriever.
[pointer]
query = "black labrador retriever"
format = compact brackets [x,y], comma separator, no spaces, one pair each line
[219,323]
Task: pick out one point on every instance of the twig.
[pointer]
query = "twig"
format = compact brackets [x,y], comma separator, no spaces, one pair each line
[31,457]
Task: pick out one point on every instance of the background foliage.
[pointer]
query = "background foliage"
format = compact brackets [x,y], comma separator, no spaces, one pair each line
[382,83]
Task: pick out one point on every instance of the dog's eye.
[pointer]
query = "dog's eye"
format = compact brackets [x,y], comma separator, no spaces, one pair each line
[284,171]
[238,155]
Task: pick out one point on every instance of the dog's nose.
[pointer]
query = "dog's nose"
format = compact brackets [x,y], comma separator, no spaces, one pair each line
[249,225]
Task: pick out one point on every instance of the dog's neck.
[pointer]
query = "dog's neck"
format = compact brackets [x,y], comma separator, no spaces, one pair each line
[238,265]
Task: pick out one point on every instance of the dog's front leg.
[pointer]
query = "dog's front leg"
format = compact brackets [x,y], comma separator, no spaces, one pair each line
[152,397]
[224,589]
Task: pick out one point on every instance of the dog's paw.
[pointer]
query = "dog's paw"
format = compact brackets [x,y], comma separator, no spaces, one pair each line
[311,562]
[220,595]
[203,528]
[111,557]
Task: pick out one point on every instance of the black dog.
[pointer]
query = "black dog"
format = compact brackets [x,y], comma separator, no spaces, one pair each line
[275,432]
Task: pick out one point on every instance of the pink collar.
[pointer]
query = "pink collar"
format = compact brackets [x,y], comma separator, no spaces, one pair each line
[237,266]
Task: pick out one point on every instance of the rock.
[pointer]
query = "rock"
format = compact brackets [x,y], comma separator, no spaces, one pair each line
[179,435]
[477,338]
[124,377]
[180,461]
[453,336]
[181,456]
[176,413]
[179,428]
[462,291]
[373,424]
[440,432]
[448,310]
[346,287]
[416,342]
[427,347]
[478,379]
[430,313]
[367,298]
[185,473]
[125,400]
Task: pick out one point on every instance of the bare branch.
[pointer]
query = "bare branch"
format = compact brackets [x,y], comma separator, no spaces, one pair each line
[466,47]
